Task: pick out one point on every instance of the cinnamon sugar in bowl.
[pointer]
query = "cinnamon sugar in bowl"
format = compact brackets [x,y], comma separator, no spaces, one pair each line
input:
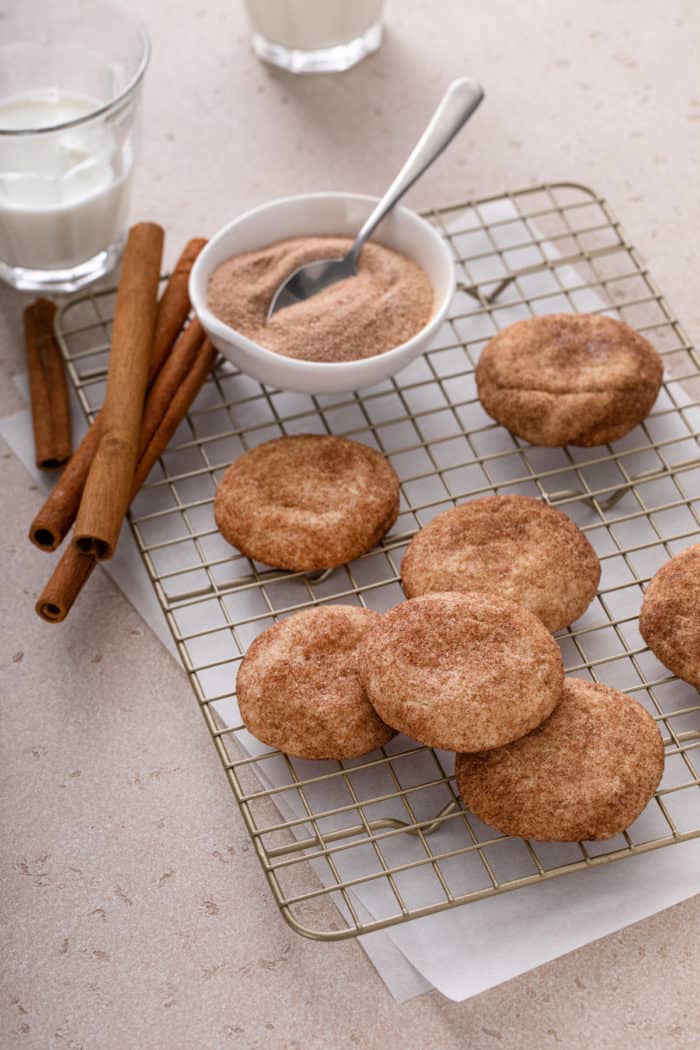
[323,215]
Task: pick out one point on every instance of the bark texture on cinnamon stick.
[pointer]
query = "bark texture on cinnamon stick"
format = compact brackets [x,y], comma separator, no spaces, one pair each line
[169,380]
[176,411]
[174,305]
[107,490]
[53,521]
[48,390]
[74,568]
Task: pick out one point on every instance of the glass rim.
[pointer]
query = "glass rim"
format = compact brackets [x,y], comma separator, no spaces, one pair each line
[103,108]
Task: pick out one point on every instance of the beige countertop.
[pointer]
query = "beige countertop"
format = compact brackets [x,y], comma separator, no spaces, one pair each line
[136,914]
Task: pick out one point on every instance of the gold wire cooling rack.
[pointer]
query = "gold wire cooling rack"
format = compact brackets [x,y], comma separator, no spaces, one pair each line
[385,838]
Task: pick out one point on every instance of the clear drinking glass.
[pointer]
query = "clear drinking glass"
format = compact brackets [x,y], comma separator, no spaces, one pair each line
[70,85]
[315,36]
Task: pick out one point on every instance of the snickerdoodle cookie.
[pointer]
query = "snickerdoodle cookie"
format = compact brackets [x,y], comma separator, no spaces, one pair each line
[463,672]
[569,379]
[299,689]
[585,773]
[670,618]
[514,546]
[307,502]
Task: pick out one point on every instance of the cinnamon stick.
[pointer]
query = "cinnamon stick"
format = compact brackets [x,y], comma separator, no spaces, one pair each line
[48,390]
[72,570]
[65,585]
[174,306]
[58,513]
[175,412]
[106,494]
[51,524]
[169,380]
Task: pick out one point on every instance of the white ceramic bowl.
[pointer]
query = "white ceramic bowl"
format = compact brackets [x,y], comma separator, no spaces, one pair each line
[322,213]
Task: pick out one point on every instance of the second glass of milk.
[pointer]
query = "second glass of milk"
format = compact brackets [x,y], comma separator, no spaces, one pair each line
[315,36]
[70,79]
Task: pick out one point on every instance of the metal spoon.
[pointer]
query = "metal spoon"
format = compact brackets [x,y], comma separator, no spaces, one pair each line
[460,100]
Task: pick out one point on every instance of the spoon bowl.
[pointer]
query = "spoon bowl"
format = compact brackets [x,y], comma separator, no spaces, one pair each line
[311,278]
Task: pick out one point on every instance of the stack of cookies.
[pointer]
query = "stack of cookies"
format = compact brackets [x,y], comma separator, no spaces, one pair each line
[468,662]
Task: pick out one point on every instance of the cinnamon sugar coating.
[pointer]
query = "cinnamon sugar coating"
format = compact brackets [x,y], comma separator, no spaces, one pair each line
[670,618]
[586,773]
[385,304]
[462,672]
[513,546]
[569,379]
[299,689]
[307,502]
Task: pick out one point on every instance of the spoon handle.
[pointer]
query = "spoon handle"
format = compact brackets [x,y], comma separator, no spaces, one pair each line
[459,102]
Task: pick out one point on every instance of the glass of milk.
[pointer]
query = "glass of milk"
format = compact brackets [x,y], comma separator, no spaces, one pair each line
[315,36]
[70,80]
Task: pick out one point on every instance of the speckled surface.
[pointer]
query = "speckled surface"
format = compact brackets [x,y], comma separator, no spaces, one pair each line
[135,913]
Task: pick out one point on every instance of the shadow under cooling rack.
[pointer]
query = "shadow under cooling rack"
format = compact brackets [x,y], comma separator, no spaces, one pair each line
[349,847]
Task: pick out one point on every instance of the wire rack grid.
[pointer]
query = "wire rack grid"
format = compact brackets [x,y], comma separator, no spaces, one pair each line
[354,846]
